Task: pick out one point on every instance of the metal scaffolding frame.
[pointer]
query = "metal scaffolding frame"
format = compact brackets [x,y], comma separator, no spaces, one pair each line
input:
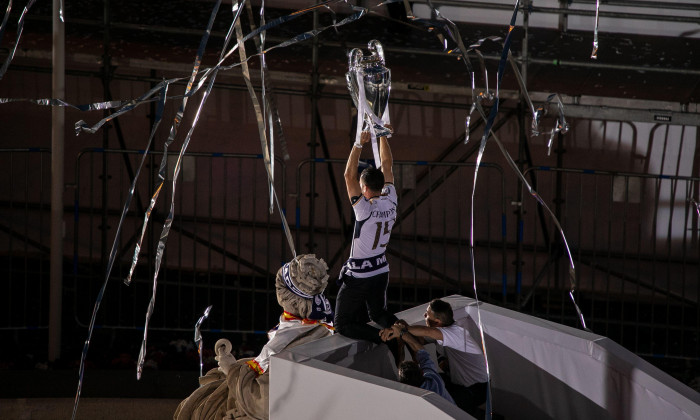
[686,114]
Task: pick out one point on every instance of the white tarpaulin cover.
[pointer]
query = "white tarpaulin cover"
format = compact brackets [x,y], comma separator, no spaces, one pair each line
[539,370]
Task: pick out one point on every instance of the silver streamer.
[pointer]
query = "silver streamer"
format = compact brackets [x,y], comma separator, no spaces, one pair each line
[130,104]
[359,12]
[113,252]
[594,53]
[486,94]
[451,29]
[169,219]
[261,131]
[124,107]
[536,196]
[58,102]
[697,205]
[127,106]
[440,22]
[266,111]
[268,120]
[475,49]
[20,28]
[523,89]
[3,25]
[198,338]
[477,103]
[560,126]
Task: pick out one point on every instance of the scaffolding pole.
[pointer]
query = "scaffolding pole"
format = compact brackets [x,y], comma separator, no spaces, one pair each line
[57,186]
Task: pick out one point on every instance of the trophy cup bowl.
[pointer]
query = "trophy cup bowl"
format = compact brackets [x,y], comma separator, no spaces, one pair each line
[375,79]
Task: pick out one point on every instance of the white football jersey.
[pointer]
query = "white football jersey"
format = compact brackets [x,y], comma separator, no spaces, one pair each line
[374,220]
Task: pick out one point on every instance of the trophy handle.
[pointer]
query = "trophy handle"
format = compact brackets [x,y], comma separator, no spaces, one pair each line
[352,86]
[376,48]
[354,58]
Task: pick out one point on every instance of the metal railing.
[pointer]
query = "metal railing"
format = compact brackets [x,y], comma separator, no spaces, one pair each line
[223,249]
[24,238]
[634,240]
[429,249]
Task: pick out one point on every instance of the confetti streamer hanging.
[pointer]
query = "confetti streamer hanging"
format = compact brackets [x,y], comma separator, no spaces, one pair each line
[268,121]
[198,338]
[594,53]
[523,89]
[536,196]
[266,111]
[359,12]
[125,106]
[267,114]
[475,49]
[162,176]
[487,131]
[482,146]
[560,126]
[178,165]
[261,130]
[131,104]
[477,103]
[3,25]
[20,28]
[486,94]
[58,102]
[128,105]
[697,205]
[113,252]
[81,125]
[452,30]
[499,77]
[440,24]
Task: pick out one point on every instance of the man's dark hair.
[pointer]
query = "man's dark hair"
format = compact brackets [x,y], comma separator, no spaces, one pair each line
[442,311]
[373,178]
[410,373]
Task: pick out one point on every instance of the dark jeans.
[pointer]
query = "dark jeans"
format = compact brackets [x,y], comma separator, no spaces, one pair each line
[355,296]
[468,398]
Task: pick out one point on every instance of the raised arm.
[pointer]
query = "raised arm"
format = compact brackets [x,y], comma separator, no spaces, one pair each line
[423,331]
[387,160]
[416,330]
[351,181]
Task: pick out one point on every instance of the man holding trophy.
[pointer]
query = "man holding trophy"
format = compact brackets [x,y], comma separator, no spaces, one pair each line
[365,275]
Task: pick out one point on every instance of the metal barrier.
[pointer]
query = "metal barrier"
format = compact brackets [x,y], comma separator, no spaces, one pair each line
[223,249]
[429,250]
[634,239]
[24,238]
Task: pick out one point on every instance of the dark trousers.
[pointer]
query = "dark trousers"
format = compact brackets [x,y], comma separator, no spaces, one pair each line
[357,295]
[468,398]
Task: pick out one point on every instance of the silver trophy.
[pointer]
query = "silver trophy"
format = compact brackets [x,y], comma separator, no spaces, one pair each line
[368,78]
